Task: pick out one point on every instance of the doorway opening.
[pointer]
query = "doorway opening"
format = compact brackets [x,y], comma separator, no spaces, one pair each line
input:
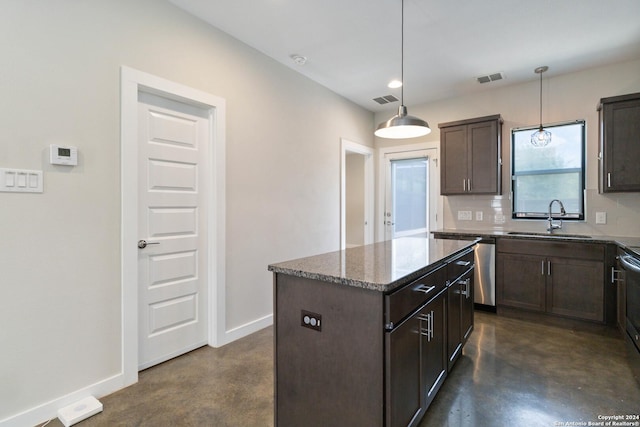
[357,195]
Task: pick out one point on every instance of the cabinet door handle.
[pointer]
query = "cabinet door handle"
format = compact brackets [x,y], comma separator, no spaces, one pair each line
[548,268]
[463,263]
[432,324]
[609,179]
[466,284]
[469,184]
[542,266]
[464,185]
[424,289]
[428,332]
[615,279]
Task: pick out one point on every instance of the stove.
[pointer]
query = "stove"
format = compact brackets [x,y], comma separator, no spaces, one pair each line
[629,263]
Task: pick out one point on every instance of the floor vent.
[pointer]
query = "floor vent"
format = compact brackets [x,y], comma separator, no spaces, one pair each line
[385,99]
[491,78]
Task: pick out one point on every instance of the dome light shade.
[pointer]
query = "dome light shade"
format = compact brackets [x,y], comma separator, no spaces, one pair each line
[402,126]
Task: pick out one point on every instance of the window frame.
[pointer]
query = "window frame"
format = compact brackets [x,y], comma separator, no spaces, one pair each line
[581,177]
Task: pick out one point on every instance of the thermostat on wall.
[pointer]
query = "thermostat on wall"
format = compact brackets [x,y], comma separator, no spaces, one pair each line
[59,155]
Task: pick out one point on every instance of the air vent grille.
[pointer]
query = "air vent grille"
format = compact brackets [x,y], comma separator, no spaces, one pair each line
[385,99]
[490,78]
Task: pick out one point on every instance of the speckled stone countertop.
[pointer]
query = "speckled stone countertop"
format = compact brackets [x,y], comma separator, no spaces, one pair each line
[381,267]
[628,243]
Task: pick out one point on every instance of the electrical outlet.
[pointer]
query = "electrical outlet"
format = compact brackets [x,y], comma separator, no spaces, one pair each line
[311,320]
[464,215]
[601,217]
[479,215]
[498,219]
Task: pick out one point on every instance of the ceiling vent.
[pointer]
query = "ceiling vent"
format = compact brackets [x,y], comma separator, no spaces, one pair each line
[385,99]
[491,78]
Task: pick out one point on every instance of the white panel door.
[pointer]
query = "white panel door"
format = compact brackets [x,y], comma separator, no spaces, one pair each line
[173,140]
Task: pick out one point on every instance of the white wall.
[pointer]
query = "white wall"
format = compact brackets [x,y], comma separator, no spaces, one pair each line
[355,209]
[565,97]
[60,297]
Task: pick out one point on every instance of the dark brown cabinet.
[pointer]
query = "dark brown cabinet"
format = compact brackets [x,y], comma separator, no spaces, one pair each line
[459,306]
[417,362]
[575,288]
[561,278]
[403,373]
[620,143]
[374,358]
[434,356]
[470,153]
[415,348]
[522,281]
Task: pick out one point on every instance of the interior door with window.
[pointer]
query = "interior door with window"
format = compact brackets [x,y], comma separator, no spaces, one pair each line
[407,194]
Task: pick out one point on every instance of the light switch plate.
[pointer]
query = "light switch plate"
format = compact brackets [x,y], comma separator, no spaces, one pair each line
[479,215]
[21,181]
[601,217]
[464,215]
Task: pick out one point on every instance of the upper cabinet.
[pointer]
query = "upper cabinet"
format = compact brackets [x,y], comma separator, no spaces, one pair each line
[470,153]
[620,143]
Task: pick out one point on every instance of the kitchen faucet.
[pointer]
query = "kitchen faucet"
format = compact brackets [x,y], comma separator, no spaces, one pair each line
[553,226]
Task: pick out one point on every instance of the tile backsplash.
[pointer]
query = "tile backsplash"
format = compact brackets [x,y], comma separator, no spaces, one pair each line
[622,211]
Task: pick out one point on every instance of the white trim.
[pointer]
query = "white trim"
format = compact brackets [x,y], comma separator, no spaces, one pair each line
[347,146]
[435,217]
[39,414]
[248,328]
[133,81]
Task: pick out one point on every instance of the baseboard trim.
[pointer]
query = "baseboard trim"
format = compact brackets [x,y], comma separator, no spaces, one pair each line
[246,329]
[49,410]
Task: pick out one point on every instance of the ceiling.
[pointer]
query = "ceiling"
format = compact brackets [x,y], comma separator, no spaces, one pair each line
[353,47]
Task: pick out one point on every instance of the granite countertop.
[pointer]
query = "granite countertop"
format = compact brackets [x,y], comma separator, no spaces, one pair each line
[628,243]
[382,266]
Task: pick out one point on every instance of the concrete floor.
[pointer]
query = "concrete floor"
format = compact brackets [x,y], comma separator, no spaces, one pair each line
[514,372]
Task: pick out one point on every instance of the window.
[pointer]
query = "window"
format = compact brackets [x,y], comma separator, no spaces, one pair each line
[541,174]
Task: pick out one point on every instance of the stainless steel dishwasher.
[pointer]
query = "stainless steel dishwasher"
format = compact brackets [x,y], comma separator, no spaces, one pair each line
[484,280]
[484,277]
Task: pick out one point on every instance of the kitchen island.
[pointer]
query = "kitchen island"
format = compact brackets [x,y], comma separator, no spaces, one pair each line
[366,336]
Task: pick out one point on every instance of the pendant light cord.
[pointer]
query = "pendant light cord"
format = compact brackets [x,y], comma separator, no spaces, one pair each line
[402,53]
[540,98]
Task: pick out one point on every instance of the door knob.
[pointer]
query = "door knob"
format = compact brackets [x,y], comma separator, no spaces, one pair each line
[143,243]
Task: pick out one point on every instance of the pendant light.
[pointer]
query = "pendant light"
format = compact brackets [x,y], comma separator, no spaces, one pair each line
[402,125]
[541,137]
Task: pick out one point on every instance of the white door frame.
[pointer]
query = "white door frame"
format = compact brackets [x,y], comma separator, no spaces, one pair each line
[348,146]
[435,199]
[133,81]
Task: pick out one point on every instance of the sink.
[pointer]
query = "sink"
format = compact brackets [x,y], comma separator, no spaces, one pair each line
[565,236]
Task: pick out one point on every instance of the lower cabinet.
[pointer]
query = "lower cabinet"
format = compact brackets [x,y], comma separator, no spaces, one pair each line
[560,278]
[422,349]
[522,281]
[459,316]
[403,373]
[417,364]
[433,340]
